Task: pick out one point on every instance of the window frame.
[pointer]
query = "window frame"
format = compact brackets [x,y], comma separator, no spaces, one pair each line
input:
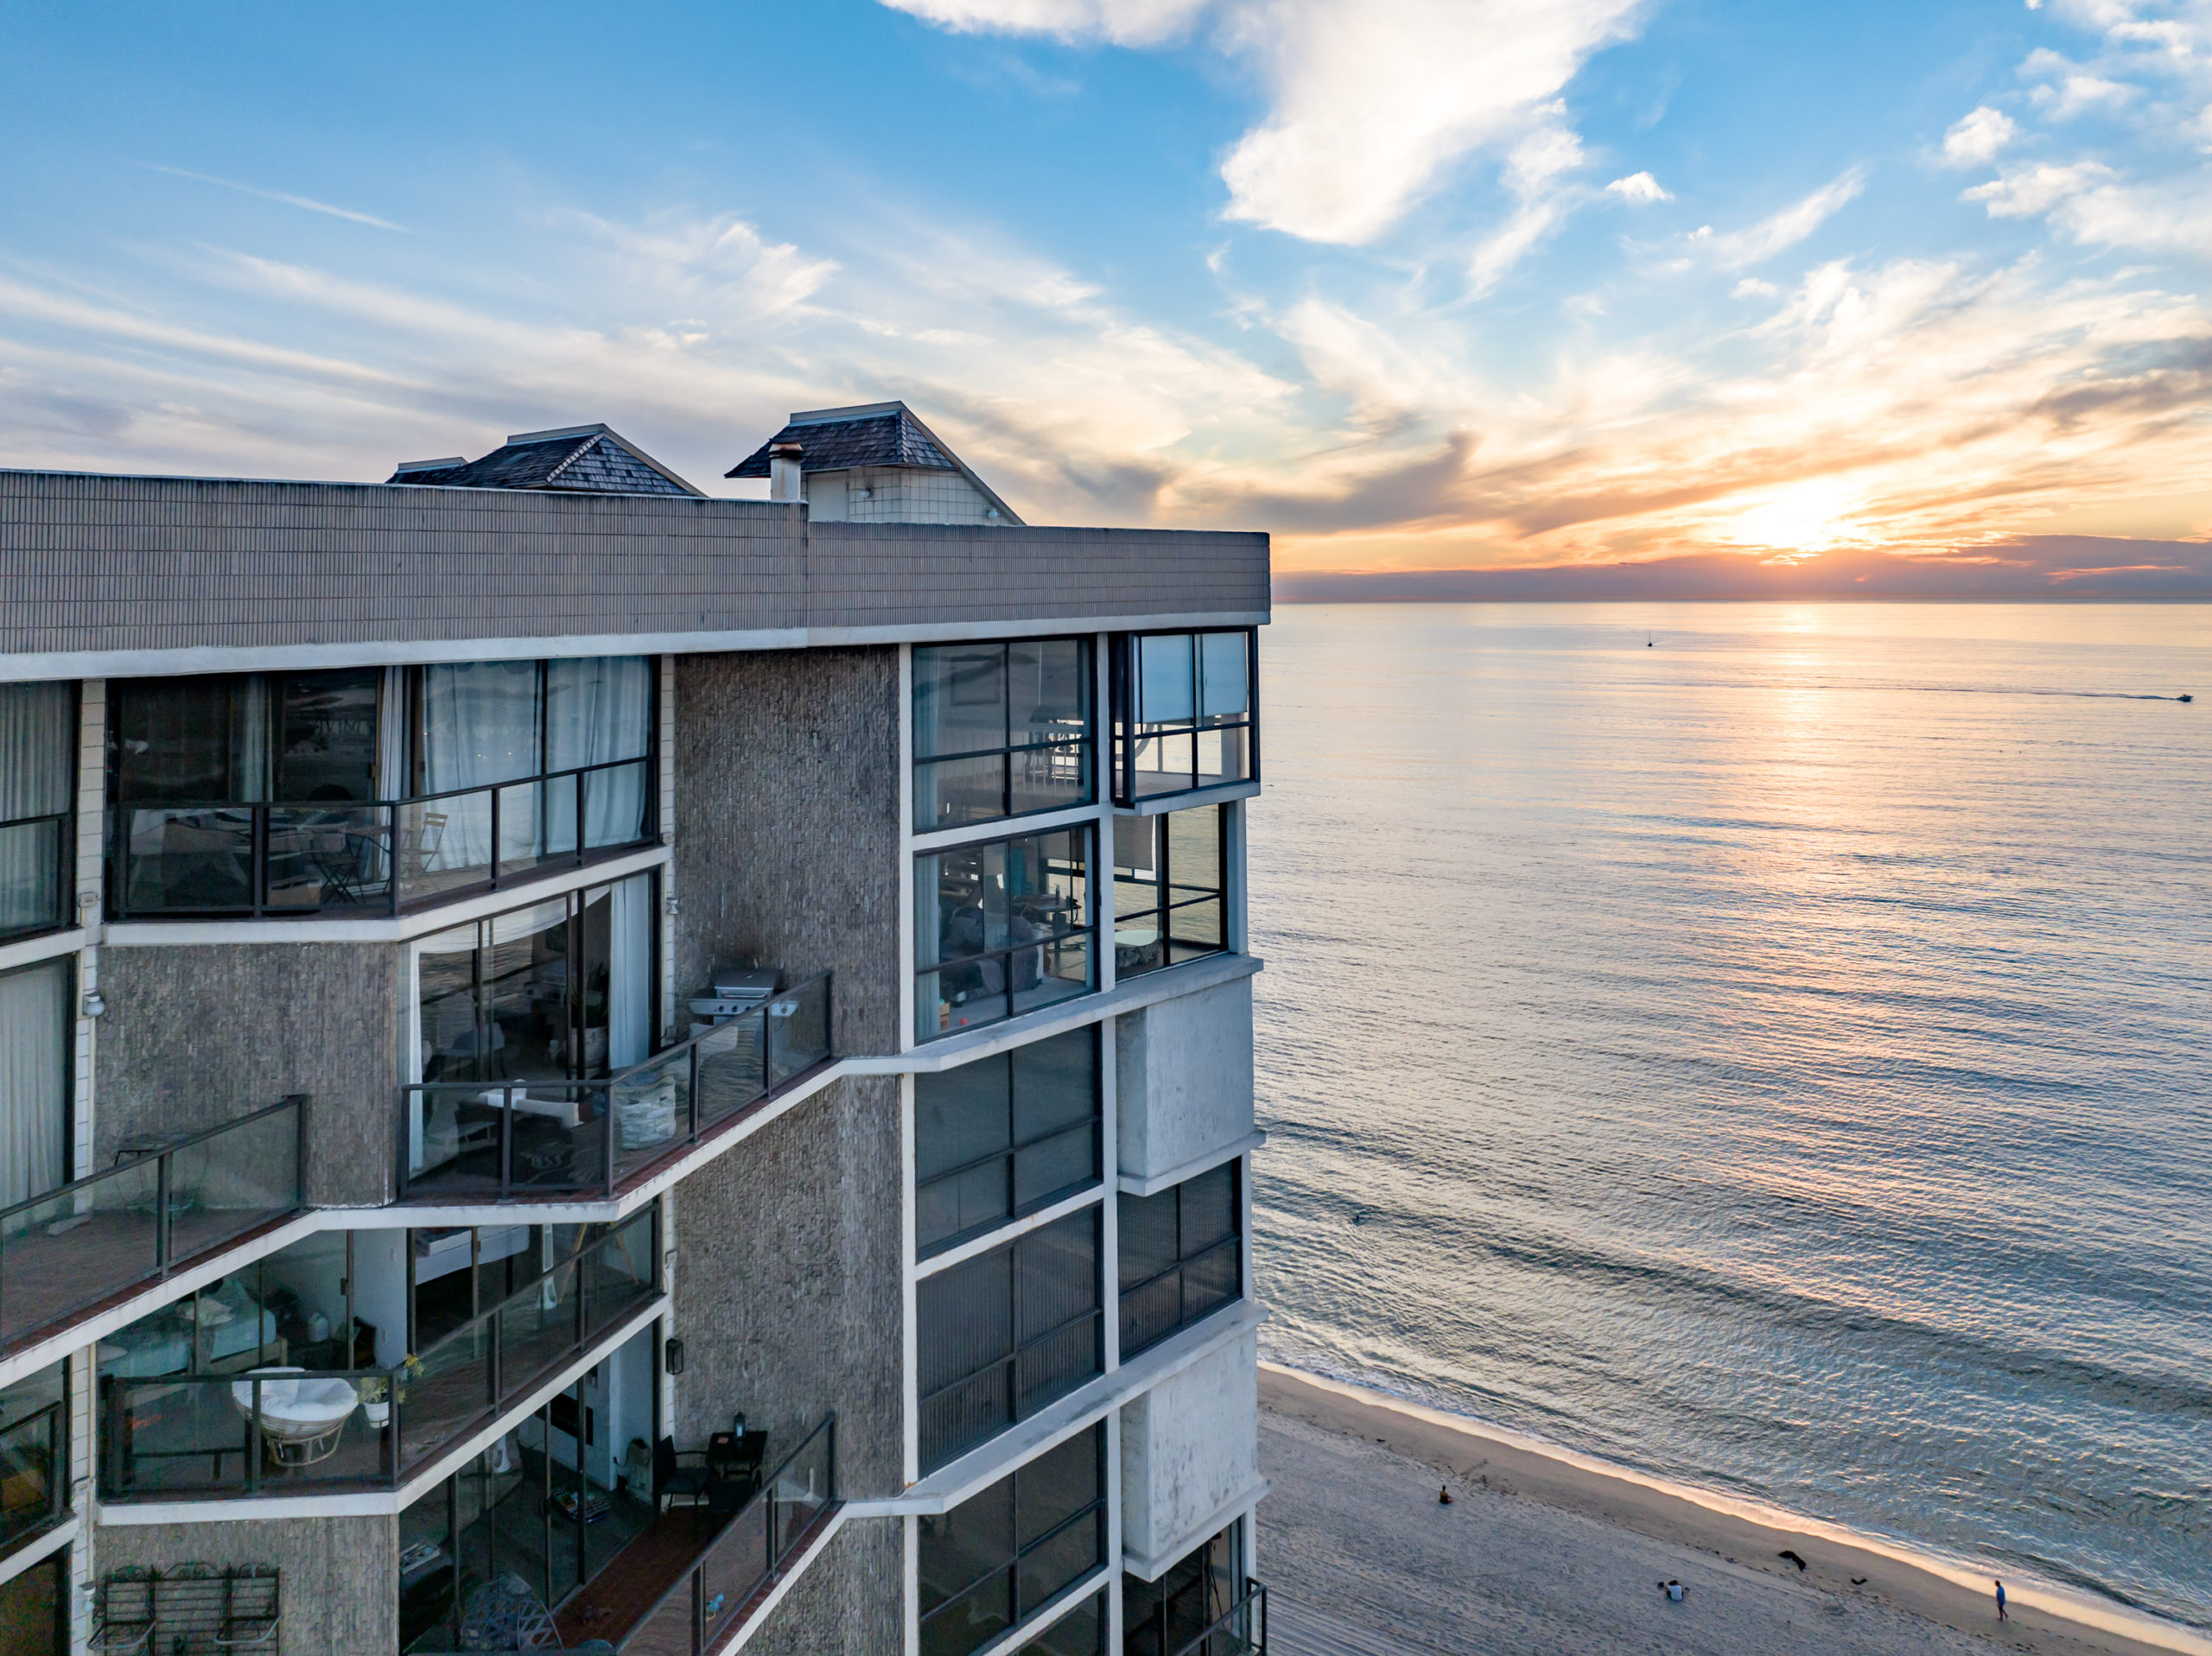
[1015,1209]
[1011,1359]
[1086,744]
[1127,732]
[1169,906]
[383,823]
[1082,869]
[63,915]
[1010,1567]
[1234,1242]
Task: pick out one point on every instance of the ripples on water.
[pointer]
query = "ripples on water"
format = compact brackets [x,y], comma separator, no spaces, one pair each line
[1746,1059]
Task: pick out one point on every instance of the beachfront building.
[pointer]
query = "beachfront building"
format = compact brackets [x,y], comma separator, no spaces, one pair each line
[585,1067]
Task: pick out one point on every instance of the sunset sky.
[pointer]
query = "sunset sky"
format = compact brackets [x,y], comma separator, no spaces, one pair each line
[1418,285]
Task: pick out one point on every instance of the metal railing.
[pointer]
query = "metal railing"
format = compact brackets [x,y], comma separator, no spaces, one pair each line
[34,1471]
[1241,1630]
[300,1431]
[375,857]
[93,1238]
[747,1555]
[539,1138]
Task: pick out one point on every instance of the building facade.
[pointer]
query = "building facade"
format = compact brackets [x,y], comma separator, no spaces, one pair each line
[583,1067]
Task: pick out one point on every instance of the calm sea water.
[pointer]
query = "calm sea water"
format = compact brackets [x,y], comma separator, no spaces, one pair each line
[1779,1057]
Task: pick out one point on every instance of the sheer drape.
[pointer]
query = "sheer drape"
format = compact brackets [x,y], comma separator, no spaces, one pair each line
[35,781]
[34,1079]
[479,726]
[597,710]
[630,975]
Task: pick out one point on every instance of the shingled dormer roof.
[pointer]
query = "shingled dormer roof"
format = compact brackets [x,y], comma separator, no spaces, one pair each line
[585,459]
[870,434]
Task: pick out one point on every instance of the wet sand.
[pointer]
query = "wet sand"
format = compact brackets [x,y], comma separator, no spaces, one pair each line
[1543,1552]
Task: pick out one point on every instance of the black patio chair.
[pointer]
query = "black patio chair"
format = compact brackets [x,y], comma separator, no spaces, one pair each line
[671,1477]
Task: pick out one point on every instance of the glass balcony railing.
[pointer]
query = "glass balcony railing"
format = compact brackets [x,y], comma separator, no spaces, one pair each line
[745,1558]
[34,1472]
[1241,1630]
[541,1137]
[69,1249]
[271,1431]
[341,859]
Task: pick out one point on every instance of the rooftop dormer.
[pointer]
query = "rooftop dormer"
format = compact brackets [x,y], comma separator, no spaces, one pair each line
[875,463]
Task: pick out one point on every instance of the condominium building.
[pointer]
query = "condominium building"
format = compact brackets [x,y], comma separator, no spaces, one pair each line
[587,1068]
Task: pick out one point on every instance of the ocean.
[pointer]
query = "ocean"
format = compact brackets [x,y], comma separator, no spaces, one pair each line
[1768,1046]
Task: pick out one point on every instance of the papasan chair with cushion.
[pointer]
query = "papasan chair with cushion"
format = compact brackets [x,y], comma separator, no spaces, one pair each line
[504,1614]
[301,1420]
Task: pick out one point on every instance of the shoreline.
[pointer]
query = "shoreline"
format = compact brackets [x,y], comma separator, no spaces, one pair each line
[1748,1534]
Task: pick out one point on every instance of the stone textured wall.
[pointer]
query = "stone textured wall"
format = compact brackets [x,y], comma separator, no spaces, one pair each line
[852,1599]
[787,1285]
[1183,1078]
[787,825]
[341,1587]
[199,1035]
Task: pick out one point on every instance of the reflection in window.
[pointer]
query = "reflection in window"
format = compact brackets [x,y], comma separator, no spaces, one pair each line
[1001,730]
[560,991]
[1169,888]
[1003,1555]
[1000,928]
[1164,1617]
[33,1457]
[1183,712]
[38,732]
[1181,1256]
[35,1029]
[1004,1136]
[1004,1333]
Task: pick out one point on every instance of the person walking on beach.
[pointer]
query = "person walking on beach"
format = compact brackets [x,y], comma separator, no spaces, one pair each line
[2001,1616]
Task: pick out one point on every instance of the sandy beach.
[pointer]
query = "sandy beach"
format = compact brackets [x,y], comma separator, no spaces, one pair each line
[1541,1552]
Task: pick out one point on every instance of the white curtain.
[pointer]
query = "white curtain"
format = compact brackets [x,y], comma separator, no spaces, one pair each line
[34,1079]
[597,710]
[391,735]
[35,780]
[479,726]
[629,974]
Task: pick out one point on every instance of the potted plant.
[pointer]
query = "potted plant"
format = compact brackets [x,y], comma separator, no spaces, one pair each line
[380,1392]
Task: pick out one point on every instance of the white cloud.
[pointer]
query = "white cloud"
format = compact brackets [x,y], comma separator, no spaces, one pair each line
[1736,249]
[1639,188]
[1752,287]
[1367,103]
[307,202]
[2028,192]
[1125,23]
[1975,139]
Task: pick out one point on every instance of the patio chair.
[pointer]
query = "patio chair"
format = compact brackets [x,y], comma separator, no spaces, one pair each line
[672,1478]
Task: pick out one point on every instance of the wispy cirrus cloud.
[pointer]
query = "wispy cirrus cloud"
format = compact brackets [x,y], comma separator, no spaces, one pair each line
[308,203]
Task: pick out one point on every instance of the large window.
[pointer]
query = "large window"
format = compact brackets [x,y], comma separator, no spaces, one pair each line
[1081,1632]
[1182,1256]
[1006,1333]
[1001,730]
[1003,1137]
[1000,928]
[1183,712]
[288,792]
[1170,888]
[33,1455]
[560,991]
[1001,1557]
[38,732]
[35,1043]
[1165,1617]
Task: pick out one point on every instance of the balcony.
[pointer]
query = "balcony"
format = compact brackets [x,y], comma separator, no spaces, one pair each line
[346,860]
[1241,1630]
[480,1140]
[1186,719]
[675,1592]
[295,1431]
[90,1240]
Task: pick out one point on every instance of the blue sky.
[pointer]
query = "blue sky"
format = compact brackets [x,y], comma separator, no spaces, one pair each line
[1414,283]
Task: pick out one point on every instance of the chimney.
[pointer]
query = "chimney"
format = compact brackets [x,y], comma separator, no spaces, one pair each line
[784,474]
